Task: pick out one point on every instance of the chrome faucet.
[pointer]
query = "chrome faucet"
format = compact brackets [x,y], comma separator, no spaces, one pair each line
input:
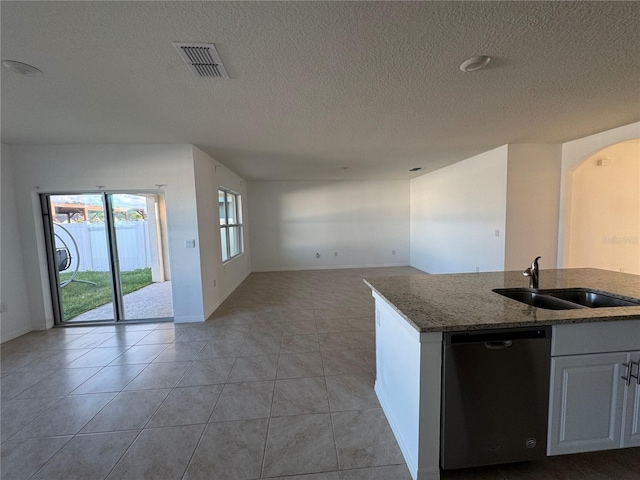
[533,273]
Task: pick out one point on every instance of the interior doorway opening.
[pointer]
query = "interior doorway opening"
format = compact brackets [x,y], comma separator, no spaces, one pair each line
[602,229]
[108,257]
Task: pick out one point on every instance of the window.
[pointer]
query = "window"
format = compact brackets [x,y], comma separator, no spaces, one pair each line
[230,206]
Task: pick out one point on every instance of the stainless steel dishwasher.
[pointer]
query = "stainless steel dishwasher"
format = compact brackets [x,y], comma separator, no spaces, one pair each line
[495,396]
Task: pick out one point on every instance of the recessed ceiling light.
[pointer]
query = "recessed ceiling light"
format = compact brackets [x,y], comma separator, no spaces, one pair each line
[21,68]
[475,63]
[415,169]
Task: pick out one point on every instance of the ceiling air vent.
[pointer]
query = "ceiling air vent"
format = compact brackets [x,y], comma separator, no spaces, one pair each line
[202,59]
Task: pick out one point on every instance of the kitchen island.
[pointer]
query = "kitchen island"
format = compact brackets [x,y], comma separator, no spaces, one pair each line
[413,312]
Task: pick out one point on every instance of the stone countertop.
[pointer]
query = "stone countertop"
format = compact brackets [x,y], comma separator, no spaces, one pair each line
[465,301]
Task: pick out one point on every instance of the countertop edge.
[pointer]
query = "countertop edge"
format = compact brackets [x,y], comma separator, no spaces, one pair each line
[595,315]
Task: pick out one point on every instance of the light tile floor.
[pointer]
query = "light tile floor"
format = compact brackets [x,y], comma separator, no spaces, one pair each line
[278,384]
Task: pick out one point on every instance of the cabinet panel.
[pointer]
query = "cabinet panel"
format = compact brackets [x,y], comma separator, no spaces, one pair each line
[631,437]
[596,337]
[586,403]
[408,387]
[398,378]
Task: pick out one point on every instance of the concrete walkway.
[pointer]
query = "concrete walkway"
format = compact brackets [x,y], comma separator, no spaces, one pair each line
[152,301]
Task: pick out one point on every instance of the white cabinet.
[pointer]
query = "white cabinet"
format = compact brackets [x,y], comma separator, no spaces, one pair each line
[592,407]
[631,433]
[586,403]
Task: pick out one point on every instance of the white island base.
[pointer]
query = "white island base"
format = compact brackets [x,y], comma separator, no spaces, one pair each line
[408,366]
[594,392]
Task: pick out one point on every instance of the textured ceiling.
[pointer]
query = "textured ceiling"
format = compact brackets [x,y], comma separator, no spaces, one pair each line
[318,86]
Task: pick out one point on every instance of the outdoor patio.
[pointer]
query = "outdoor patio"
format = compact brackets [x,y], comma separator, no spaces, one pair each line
[152,301]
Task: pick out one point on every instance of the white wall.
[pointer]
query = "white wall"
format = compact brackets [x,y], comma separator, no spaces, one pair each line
[17,319]
[533,205]
[455,212]
[363,221]
[574,153]
[218,280]
[76,168]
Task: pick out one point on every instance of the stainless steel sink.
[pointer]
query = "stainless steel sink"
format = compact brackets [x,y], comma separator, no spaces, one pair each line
[589,298]
[566,298]
[536,299]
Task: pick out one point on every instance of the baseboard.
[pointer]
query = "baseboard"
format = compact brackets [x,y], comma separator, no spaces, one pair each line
[327,267]
[226,295]
[412,463]
[15,333]
[430,474]
[189,319]
[419,267]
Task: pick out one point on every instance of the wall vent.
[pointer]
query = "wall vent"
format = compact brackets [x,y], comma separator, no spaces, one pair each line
[202,59]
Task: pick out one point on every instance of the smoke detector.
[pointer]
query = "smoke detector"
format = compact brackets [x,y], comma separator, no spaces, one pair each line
[202,59]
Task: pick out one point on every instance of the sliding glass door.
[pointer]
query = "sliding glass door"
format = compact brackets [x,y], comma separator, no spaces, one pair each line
[79,255]
[146,292]
[106,257]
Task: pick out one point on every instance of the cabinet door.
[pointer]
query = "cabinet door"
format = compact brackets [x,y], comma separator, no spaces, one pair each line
[586,407]
[631,437]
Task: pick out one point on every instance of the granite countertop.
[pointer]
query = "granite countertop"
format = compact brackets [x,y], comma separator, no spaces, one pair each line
[465,301]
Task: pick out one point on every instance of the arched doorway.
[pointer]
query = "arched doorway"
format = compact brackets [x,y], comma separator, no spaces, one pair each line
[603,226]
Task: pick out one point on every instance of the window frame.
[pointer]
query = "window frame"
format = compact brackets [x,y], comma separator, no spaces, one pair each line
[226,227]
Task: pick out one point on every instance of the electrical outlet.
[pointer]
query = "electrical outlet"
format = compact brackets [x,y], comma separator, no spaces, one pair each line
[3,307]
[393,252]
[477,269]
[497,232]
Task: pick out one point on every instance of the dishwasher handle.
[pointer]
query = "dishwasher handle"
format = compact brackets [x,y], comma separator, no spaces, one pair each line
[498,345]
[497,338]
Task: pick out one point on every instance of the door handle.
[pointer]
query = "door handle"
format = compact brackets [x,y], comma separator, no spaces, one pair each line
[629,374]
[626,378]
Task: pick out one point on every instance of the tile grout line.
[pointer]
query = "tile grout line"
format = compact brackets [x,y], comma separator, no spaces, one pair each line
[143,428]
[52,456]
[126,450]
[117,394]
[329,403]
[333,429]
[186,468]
[264,450]
[171,390]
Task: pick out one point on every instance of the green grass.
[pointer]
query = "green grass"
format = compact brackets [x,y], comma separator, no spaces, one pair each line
[78,298]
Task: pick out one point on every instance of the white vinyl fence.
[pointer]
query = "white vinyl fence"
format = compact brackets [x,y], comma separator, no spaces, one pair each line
[132,239]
